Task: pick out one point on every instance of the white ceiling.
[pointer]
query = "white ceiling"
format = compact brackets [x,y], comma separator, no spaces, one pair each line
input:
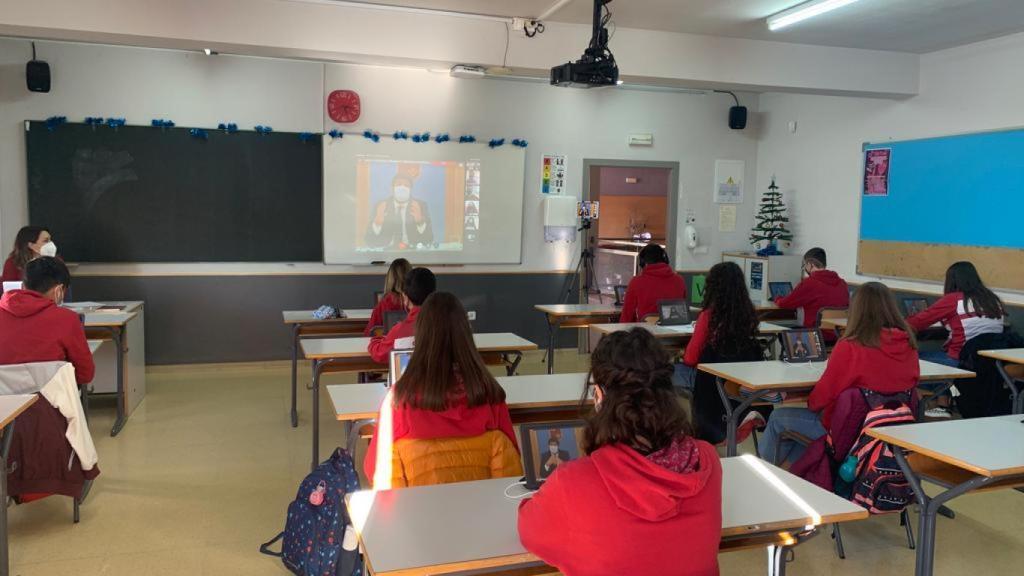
[918,26]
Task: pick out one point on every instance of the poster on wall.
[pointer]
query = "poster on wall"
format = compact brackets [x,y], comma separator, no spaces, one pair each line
[876,171]
[552,180]
[727,218]
[729,181]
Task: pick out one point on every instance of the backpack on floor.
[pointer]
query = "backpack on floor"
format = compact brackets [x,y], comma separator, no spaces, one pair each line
[880,485]
[318,537]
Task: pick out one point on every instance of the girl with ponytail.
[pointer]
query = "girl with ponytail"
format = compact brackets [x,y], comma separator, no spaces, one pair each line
[647,496]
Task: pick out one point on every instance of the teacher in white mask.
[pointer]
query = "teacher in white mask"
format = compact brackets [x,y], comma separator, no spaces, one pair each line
[400,222]
[30,243]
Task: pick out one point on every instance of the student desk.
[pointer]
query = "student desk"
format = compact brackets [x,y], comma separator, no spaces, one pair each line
[456,528]
[304,325]
[766,311]
[10,408]
[127,378]
[839,325]
[1014,382]
[762,379]
[527,398]
[959,455]
[574,316]
[682,333]
[348,355]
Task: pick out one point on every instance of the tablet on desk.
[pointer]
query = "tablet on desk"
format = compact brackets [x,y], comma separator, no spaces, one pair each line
[393,317]
[803,345]
[620,295]
[913,306]
[397,365]
[779,289]
[673,312]
[548,445]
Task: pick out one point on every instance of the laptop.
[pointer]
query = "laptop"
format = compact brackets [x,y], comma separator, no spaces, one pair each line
[913,306]
[393,317]
[397,364]
[377,297]
[547,445]
[779,289]
[673,312]
[803,345]
[620,295]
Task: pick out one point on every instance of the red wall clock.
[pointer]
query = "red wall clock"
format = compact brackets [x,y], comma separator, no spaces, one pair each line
[343,106]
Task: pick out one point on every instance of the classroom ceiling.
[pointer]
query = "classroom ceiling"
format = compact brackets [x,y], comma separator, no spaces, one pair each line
[917,26]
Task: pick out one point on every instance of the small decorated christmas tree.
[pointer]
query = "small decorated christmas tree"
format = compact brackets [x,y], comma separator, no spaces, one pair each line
[771,222]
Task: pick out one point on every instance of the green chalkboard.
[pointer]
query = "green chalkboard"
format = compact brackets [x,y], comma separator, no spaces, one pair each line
[143,194]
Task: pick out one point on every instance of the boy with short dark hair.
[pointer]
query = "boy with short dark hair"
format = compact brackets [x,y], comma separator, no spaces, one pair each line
[656,281]
[35,328]
[821,288]
[419,284]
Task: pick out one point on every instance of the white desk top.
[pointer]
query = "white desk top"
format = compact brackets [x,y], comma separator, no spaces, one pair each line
[360,316]
[685,330]
[94,345]
[774,374]
[361,401]
[1014,355]
[320,349]
[14,404]
[841,323]
[986,446]
[579,309]
[468,525]
[103,319]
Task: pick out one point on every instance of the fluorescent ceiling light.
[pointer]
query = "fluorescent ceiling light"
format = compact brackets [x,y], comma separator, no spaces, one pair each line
[804,11]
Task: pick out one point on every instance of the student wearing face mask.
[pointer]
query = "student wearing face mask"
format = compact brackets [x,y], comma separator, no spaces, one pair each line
[400,221]
[30,243]
[33,326]
[820,288]
[553,459]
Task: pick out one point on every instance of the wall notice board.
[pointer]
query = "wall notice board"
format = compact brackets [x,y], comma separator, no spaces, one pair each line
[947,199]
[143,194]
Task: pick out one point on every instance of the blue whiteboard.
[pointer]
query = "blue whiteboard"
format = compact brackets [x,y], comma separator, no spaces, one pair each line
[966,190]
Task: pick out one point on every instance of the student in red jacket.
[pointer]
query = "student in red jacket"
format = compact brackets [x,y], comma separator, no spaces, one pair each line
[878,352]
[34,328]
[419,284]
[30,243]
[647,497]
[392,300]
[447,390]
[657,281]
[820,289]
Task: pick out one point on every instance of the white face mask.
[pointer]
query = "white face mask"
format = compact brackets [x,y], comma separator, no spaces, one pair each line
[48,249]
[553,449]
[402,194]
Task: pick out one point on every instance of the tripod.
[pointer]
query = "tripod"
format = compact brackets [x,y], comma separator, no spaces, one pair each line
[584,270]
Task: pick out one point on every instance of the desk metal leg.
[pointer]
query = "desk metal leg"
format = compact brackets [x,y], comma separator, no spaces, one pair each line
[295,374]
[732,415]
[117,335]
[922,406]
[925,563]
[315,387]
[553,326]
[1011,383]
[352,434]
[4,558]
[512,365]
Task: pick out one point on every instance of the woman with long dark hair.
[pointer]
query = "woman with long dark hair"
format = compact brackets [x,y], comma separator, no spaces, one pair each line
[30,243]
[647,497]
[726,331]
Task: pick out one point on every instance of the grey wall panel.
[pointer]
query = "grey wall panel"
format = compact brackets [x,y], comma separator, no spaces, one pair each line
[197,319]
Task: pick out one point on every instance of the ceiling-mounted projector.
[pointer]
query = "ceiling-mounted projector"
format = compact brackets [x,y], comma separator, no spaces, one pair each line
[597,65]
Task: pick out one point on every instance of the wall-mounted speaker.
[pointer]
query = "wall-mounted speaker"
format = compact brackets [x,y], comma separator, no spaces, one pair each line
[738,117]
[37,76]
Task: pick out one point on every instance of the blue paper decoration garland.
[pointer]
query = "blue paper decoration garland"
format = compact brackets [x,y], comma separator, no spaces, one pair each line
[53,121]
[93,120]
[520,143]
[467,139]
[336,134]
[230,127]
[442,138]
[115,122]
[306,136]
[370,135]
[496,142]
[260,129]
[199,133]
[400,135]
[161,123]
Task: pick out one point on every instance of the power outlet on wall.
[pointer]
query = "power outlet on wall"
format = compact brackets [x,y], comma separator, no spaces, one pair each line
[691,216]
[471,315]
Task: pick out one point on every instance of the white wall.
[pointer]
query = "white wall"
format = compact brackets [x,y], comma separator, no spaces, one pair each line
[965,89]
[195,90]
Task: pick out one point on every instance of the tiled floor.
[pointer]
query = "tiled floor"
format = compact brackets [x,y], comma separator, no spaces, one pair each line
[204,470]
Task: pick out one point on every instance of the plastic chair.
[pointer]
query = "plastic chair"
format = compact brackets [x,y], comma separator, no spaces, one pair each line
[832,314]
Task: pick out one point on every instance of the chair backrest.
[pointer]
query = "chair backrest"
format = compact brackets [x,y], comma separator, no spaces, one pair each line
[445,460]
[832,314]
[651,319]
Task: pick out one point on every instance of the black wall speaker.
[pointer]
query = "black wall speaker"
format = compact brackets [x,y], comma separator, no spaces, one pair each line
[738,117]
[37,76]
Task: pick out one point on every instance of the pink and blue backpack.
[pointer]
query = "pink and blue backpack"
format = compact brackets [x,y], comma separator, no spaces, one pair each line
[314,537]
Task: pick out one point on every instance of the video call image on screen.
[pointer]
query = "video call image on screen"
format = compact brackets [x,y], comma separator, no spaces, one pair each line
[416,205]
[553,447]
[802,345]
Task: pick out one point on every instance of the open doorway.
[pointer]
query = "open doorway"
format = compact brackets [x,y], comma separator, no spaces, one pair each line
[638,207]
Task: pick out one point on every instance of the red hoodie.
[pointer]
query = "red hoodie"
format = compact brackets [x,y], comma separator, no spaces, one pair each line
[391,302]
[655,282]
[11,271]
[458,421]
[822,289]
[959,316]
[381,346]
[34,329]
[888,369]
[617,512]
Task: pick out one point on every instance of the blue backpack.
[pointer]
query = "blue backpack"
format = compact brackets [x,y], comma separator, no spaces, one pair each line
[315,530]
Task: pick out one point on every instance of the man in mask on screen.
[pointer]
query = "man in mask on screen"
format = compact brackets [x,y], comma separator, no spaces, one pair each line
[400,221]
